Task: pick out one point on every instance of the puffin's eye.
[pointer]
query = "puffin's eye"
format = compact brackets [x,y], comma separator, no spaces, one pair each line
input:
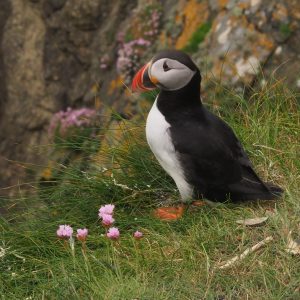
[166,67]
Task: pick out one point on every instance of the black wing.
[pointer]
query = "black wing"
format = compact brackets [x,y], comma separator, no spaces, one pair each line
[211,154]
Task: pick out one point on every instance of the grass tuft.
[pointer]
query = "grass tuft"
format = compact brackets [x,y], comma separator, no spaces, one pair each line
[174,260]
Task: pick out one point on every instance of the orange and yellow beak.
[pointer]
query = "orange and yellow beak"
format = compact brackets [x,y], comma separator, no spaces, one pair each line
[142,81]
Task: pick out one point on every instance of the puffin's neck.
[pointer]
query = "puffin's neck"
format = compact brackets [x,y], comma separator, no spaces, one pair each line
[173,102]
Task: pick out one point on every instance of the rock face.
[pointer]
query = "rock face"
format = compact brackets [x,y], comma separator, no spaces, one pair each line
[56,54]
[50,56]
[246,36]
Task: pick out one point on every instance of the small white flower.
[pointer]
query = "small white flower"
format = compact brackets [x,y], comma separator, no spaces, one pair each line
[263,82]
[2,252]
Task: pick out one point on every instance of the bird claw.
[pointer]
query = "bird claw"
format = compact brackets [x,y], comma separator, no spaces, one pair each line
[199,203]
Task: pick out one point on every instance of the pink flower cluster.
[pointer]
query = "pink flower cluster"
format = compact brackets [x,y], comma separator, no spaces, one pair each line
[138,235]
[66,232]
[106,214]
[129,56]
[107,209]
[129,53]
[153,23]
[113,233]
[63,120]
[82,234]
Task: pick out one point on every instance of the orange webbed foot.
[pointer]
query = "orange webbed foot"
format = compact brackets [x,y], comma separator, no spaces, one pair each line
[171,213]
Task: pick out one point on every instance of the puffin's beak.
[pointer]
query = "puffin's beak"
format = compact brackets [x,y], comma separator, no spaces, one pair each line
[142,81]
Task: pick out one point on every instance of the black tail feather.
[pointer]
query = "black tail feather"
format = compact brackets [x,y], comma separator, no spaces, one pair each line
[274,189]
[245,190]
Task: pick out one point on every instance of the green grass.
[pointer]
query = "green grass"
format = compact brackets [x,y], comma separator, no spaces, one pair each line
[177,260]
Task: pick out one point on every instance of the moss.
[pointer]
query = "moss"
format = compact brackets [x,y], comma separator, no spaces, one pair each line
[128,37]
[191,16]
[197,38]
[285,30]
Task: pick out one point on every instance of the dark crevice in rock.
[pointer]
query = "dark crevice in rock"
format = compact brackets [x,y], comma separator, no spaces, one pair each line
[5,10]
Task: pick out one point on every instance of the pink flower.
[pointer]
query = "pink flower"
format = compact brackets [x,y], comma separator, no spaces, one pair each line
[64,231]
[71,118]
[107,209]
[138,235]
[82,234]
[113,233]
[107,220]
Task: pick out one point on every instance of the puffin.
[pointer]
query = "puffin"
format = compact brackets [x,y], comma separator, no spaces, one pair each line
[194,146]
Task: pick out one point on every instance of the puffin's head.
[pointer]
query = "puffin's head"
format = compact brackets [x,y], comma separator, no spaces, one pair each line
[169,70]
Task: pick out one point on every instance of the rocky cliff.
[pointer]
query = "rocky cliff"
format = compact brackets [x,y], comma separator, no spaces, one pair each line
[56,54]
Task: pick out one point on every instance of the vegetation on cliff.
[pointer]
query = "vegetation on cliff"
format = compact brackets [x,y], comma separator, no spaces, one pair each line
[57,54]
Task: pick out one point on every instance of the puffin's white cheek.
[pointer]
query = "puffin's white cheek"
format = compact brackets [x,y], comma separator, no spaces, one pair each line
[176,79]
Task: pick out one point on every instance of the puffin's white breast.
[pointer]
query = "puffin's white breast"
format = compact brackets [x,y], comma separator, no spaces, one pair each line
[159,140]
